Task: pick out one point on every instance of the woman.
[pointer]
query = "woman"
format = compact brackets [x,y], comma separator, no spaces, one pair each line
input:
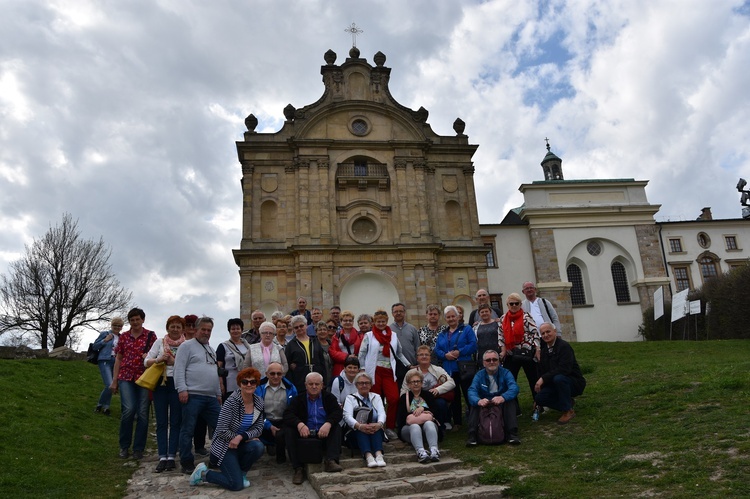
[345,342]
[437,381]
[364,321]
[230,355]
[282,329]
[236,445]
[489,333]
[367,426]
[417,401]
[304,355]
[522,341]
[266,351]
[321,333]
[167,405]
[105,346]
[343,384]
[457,344]
[429,332]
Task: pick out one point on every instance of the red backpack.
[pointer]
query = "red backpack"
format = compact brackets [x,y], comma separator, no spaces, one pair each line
[491,425]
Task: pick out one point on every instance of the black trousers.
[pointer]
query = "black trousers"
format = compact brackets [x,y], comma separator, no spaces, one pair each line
[331,445]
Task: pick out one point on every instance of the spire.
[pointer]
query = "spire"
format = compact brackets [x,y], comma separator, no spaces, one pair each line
[551,165]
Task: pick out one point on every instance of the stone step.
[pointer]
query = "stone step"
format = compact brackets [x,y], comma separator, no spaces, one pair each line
[407,486]
[399,466]
[468,492]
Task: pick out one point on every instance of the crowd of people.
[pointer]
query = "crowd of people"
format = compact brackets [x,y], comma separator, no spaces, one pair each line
[300,387]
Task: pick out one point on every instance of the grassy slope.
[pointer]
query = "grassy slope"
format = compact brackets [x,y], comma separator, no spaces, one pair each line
[661,418]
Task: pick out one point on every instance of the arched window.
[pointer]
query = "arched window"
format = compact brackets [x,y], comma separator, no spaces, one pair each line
[620,281]
[577,293]
[708,267]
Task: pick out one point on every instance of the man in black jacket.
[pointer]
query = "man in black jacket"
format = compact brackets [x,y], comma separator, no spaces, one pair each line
[313,414]
[561,379]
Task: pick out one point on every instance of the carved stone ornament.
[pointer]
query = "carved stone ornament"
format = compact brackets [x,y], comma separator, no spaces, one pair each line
[289,111]
[330,57]
[379,59]
[450,183]
[459,126]
[251,122]
[269,182]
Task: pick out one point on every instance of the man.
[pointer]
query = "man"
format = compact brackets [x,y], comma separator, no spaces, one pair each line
[253,335]
[335,314]
[408,336]
[317,316]
[314,411]
[483,297]
[197,382]
[302,310]
[493,385]
[277,393]
[541,310]
[303,354]
[201,427]
[561,378]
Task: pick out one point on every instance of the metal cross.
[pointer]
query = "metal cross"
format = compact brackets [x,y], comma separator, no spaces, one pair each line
[354,30]
[547,141]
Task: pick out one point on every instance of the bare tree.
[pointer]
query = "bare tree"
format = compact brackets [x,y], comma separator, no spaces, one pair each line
[62,283]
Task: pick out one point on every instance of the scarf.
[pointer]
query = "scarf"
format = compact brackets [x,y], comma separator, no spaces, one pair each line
[170,344]
[384,338]
[350,341]
[513,328]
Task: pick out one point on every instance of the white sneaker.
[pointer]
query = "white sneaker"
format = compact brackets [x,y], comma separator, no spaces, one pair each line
[422,457]
[435,454]
[380,462]
[448,427]
[371,463]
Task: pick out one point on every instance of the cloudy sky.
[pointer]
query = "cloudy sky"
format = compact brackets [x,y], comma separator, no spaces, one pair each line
[125,113]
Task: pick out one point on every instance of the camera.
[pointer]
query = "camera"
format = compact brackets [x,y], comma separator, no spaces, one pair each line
[222,372]
[313,433]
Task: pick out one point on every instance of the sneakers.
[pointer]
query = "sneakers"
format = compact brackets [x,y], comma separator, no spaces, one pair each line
[379,461]
[124,453]
[448,427]
[202,451]
[471,441]
[390,435]
[106,412]
[170,466]
[513,439]
[197,476]
[245,482]
[98,408]
[332,466]
[137,455]
[567,416]
[161,466]
[187,467]
[434,455]
[371,462]
[299,476]
[423,457]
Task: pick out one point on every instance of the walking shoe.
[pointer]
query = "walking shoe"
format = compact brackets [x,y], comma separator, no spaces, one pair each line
[380,461]
[98,408]
[567,416]
[371,462]
[197,476]
[423,457]
[202,451]
[161,466]
[124,453]
[187,467]
[245,482]
[271,449]
[299,476]
[448,427]
[391,435]
[332,466]
[106,412]
[471,441]
[434,454]
[513,439]
[137,455]
[170,465]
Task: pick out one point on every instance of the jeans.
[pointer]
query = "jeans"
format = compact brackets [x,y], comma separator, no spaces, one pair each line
[134,400]
[559,394]
[105,369]
[197,406]
[235,464]
[369,443]
[168,411]
[413,434]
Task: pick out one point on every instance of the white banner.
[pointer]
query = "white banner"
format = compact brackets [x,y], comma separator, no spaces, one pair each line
[658,303]
[680,305]
[695,307]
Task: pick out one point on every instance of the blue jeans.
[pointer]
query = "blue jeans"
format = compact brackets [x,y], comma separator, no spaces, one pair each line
[369,443]
[559,394]
[197,405]
[168,412]
[134,400]
[105,369]
[235,464]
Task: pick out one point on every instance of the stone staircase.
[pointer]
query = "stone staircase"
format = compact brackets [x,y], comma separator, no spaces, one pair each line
[403,477]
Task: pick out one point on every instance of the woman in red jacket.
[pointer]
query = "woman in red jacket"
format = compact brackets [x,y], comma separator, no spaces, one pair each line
[344,343]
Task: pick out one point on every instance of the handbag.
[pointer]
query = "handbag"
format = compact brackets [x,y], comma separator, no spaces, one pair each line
[92,354]
[524,355]
[467,369]
[447,396]
[414,419]
[153,376]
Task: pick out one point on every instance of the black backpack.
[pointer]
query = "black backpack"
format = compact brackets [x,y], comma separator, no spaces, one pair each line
[491,425]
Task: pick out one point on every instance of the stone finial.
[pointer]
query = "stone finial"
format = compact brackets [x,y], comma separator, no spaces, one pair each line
[421,114]
[379,59]
[251,122]
[289,111]
[354,53]
[330,57]
[459,126]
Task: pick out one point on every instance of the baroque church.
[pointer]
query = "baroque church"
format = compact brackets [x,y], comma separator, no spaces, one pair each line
[357,202]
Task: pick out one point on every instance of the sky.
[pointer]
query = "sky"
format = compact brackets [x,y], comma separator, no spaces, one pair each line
[125,113]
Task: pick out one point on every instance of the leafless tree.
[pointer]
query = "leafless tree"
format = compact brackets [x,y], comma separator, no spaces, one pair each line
[62,283]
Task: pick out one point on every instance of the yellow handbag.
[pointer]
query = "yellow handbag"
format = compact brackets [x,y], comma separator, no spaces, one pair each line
[152,376]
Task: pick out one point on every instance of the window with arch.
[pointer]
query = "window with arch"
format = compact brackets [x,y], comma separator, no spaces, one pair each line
[575,277]
[709,267]
[620,281]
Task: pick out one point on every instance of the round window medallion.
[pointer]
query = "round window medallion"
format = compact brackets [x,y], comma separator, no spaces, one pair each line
[364,230]
[594,248]
[360,126]
[704,240]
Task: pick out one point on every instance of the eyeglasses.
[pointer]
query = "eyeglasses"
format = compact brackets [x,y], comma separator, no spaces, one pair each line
[363,383]
[331,327]
[492,359]
[514,303]
[251,382]
[266,332]
[415,382]
[274,374]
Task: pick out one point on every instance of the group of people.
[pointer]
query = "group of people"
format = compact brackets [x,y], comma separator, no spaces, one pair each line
[300,387]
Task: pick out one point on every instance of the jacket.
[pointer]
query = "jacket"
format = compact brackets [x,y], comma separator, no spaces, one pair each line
[296,411]
[403,411]
[296,354]
[480,386]
[291,392]
[351,402]
[230,420]
[548,312]
[463,339]
[561,360]
[104,348]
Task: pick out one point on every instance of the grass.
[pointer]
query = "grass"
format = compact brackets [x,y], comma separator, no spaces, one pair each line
[667,419]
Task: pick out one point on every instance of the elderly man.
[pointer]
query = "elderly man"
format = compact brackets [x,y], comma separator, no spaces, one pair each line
[561,378]
[277,393]
[303,354]
[407,334]
[314,414]
[317,316]
[302,310]
[483,297]
[540,309]
[493,385]
[196,379]
[253,335]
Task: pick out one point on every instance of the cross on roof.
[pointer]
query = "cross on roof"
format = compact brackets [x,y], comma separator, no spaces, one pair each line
[354,30]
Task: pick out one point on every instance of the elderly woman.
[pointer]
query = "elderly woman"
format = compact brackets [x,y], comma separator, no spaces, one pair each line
[428,333]
[266,351]
[415,420]
[167,406]
[323,337]
[304,355]
[236,445]
[105,346]
[345,342]
[489,333]
[231,356]
[437,381]
[364,321]
[457,344]
[377,356]
[522,341]
[365,415]
[282,330]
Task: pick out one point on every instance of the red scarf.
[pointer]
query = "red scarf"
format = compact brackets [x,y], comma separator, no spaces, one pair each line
[513,329]
[384,338]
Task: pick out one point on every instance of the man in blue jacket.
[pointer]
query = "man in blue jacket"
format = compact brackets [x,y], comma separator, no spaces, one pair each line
[277,392]
[493,385]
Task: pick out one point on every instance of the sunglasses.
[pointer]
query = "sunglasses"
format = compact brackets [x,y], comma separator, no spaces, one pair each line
[492,359]
[331,327]
[514,303]
[251,382]
[275,374]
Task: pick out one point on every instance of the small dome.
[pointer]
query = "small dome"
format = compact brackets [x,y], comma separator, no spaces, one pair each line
[354,53]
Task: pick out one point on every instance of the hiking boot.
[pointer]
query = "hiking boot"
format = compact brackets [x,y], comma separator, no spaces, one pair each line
[124,453]
[332,466]
[137,455]
[471,441]
[299,476]
[567,416]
